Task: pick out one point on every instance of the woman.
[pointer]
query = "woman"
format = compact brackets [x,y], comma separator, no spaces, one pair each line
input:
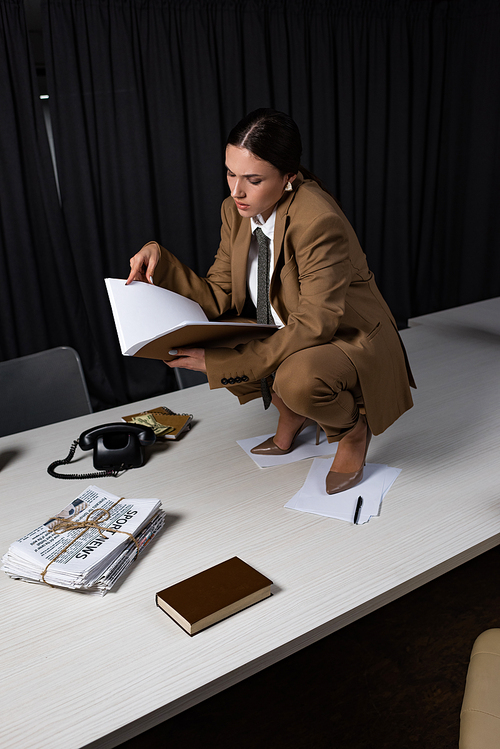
[336,357]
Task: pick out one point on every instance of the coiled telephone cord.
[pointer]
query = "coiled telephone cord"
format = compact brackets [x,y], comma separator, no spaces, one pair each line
[98,475]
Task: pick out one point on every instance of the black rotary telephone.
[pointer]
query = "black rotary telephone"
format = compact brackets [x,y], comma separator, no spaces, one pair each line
[117,447]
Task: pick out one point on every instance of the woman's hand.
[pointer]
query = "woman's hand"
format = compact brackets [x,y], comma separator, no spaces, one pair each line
[188,358]
[142,265]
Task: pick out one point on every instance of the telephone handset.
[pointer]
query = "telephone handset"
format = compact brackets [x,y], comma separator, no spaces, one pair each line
[117,447]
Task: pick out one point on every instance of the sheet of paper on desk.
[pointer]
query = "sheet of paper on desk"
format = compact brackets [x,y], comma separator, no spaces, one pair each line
[377,480]
[305,447]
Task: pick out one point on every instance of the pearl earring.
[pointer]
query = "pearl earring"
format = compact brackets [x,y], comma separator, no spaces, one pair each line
[288,186]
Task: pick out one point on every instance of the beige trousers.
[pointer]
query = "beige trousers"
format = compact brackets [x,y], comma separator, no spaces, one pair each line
[320,383]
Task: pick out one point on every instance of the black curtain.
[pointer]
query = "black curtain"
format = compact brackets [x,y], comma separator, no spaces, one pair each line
[40,307]
[397,102]
[40,301]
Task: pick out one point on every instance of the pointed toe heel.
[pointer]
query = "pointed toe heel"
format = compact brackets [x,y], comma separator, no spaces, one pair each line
[269,446]
[340,482]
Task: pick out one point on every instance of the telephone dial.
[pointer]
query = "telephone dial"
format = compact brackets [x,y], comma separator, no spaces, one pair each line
[117,447]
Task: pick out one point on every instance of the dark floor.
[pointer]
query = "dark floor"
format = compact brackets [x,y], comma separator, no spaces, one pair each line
[391,680]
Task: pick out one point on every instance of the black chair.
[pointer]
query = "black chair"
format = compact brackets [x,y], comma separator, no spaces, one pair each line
[41,389]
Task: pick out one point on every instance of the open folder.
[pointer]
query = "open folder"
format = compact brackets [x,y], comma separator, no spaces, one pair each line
[151,320]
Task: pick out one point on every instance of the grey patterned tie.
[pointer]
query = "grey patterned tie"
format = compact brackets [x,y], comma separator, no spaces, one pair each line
[264,315]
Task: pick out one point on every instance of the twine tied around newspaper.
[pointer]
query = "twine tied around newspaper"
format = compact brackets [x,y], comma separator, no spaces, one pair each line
[65,524]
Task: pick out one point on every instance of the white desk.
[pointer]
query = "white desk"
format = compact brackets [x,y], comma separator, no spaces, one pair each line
[87,671]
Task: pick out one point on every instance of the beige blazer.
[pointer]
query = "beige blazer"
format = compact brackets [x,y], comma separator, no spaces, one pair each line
[322,290]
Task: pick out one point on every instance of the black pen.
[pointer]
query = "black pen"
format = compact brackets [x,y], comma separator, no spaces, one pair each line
[359,505]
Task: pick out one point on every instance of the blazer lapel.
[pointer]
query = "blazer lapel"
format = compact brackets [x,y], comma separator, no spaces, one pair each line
[282,220]
[280,226]
[239,259]
[279,232]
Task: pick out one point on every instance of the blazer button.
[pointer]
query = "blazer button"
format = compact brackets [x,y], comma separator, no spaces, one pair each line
[231,380]
[224,381]
[237,379]
[245,378]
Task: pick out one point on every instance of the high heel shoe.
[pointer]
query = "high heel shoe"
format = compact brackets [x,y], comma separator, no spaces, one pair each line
[269,446]
[340,482]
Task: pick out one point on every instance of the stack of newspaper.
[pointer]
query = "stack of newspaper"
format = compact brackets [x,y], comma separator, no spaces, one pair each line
[88,545]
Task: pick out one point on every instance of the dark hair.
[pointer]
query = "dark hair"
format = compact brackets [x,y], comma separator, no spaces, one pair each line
[272,136]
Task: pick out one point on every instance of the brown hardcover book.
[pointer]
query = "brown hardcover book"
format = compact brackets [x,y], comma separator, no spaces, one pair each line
[213,595]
